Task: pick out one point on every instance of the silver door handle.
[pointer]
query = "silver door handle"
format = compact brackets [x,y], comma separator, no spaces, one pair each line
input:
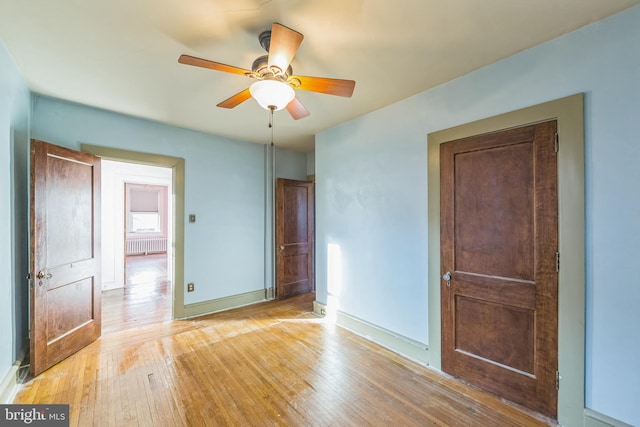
[282,247]
[447,278]
[42,275]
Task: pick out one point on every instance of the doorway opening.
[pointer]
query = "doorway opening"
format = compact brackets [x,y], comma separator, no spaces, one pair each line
[136,245]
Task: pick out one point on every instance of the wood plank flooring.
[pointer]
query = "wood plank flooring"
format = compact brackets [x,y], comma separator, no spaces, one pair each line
[145,299]
[273,363]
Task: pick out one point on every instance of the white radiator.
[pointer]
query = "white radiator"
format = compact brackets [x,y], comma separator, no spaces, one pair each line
[146,246]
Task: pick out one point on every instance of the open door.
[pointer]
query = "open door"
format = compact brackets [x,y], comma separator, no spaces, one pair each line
[65,253]
[294,237]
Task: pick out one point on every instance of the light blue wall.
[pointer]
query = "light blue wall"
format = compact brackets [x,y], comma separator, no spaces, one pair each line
[14,130]
[225,188]
[371,176]
[311,163]
[291,164]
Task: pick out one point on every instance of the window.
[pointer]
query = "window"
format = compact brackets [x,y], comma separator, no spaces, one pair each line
[145,222]
[144,208]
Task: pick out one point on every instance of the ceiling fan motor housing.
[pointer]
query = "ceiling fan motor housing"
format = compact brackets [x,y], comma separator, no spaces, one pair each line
[265,39]
[261,68]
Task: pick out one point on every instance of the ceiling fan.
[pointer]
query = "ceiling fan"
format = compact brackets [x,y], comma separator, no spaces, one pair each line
[275,81]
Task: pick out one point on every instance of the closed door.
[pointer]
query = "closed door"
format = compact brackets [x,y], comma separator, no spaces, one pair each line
[294,237]
[65,253]
[499,243]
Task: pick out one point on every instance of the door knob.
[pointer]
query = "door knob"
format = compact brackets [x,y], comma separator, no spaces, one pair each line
[282,247]
[447,278]
[42,275]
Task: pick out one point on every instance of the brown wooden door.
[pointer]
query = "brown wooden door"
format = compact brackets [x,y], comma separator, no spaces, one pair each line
[499,238]
[65,248]
[294,237]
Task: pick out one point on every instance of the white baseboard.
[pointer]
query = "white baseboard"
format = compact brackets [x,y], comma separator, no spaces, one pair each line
[226,303]
[319,308]
[270,293]
[397,343]
[9,383]
[107,286]
[596,419]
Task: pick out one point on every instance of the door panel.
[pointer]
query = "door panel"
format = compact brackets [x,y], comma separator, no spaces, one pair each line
[65,290]
[294,237]
[67,190]
[514,347]
[499,228]
[493,207]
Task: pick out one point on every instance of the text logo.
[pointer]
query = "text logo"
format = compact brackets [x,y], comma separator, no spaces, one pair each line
[34,415]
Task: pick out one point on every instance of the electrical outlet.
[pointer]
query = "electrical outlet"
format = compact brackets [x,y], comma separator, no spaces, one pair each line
[191,287]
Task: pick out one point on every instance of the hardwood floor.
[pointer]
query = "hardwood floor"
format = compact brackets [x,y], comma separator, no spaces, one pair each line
[273,363]
[145,299]
[144,269]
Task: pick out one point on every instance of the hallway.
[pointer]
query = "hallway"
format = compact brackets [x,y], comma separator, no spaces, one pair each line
[145,299]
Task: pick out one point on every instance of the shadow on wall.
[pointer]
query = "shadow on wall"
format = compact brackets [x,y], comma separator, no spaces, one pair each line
[20,152]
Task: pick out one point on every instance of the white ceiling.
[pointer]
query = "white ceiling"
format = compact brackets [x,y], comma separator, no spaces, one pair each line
[122,55]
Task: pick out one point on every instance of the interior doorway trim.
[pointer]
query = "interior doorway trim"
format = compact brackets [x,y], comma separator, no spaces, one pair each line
[177,165]
[569,113]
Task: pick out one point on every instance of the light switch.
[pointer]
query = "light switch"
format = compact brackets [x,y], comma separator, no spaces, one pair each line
[192,217]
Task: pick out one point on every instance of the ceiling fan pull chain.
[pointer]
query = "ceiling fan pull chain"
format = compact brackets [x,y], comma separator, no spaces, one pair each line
[271,120]
[271,109]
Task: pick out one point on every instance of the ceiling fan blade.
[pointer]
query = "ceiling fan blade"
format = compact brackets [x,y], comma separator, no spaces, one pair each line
[297,110]
[236,99]
[205,63]
[284,45]
[324,85]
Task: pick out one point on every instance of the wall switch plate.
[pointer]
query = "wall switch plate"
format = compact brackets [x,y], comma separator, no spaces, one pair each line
[191,287]
[192,217]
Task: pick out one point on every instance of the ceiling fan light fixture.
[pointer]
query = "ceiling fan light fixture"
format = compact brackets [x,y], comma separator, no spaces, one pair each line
[275,81]
[272,94]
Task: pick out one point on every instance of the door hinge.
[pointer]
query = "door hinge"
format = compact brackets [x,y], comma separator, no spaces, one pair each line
[557,142]
[558,378]
[557,262]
